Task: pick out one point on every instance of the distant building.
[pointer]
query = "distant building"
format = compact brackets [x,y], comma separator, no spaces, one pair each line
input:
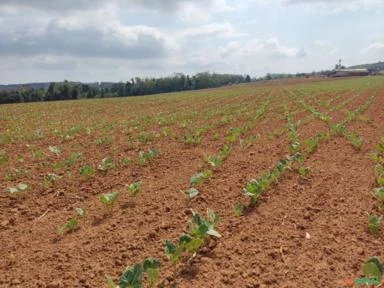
[349,72]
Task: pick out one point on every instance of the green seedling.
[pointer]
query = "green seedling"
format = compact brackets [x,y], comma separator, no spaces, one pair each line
[74,157]
[373,268]
[200,177]
[55,150]
[87,170]
[253,189]
[204,228]
[3,157]
[80,212]
[152,268]
[109,199]
[174,253]
[166,131]
[52,177]
[312,145]
[146,156]
[238,209]
[380,147]
[214,161]
[192,139]
[69,226]
[191,192]
[201,230]
[38,154]
[355,140]
[234,134]
[125,162]
[134,189]
[225,152]
[15,191]
[379,194]
[133,276]
[106,164]
[104,140]
[374,224]
[146,137]
[256,187]
[303,171]
[338,129]
[379,173]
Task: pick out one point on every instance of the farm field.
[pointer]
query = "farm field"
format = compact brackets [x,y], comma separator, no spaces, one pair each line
[290,167]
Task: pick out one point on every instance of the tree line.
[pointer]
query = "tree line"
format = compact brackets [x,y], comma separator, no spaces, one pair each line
[135,87]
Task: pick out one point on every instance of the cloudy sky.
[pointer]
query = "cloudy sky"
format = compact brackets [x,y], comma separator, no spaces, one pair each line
[114,40]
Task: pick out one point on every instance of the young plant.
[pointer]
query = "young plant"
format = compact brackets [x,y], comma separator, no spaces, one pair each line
[374,224]
[373,268]
[74,157]
[146,156]
[225,152]
[80,212]
[106,164]
[379,172]
[192,192]
[133,276]
[3,157]
[55,150]
[192,139]
[303,171]
[134,189]
[338,129]
[200,177]
[253,189]
[109,199]
[379,195]
[87,170]
[214,161]
[355,140]
[69,226]
[18,190]
[201,230]
[238,209]
[152,268]
[312,145]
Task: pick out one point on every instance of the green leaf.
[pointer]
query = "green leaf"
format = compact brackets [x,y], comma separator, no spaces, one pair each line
[132,277]
[110,282]
[194,245]
[12,190]
[213,217]
[192,192]
[22,186]
[373,268]
[169,248]
[213,232]
[151,267]
[184,238]
[134,188]
[109,199]
[54,149]
[379,194]
[151,263]
[80,212]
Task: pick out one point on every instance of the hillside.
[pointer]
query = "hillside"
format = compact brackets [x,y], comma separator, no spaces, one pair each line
[373,66]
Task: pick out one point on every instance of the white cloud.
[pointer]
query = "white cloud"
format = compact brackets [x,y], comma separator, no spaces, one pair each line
[376,49]
[210,30]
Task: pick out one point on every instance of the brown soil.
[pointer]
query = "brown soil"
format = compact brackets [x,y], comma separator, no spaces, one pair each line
[266,247]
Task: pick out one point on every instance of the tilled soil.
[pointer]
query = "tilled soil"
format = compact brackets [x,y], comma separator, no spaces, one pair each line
[304,232]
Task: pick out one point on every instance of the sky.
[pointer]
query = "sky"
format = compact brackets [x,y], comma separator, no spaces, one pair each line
[115,40]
